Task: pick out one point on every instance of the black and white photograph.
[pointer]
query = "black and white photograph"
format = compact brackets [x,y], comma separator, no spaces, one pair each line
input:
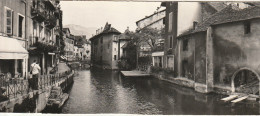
[129,57]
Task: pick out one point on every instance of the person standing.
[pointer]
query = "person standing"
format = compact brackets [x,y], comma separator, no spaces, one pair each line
[35,71]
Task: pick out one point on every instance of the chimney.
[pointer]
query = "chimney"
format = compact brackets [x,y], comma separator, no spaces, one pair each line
[195,24]
[101,29]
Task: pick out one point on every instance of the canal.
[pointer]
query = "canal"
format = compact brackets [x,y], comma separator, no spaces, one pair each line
[104,91]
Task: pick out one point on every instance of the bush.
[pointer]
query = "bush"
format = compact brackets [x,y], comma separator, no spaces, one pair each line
[155,69]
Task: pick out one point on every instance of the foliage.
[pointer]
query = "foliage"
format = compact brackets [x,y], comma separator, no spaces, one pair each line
[147,36]
[127,63]
[160,69]
[144,60]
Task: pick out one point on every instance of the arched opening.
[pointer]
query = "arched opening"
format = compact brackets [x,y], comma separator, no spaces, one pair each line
[246,81]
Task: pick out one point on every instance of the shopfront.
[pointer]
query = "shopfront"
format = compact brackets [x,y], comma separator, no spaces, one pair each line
[13,57]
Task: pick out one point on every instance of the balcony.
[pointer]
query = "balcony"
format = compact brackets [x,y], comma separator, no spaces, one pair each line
[50,22]
[50,3]
[38,14]
[42,46]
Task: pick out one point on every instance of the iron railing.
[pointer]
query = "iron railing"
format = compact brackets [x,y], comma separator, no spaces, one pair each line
[12,87]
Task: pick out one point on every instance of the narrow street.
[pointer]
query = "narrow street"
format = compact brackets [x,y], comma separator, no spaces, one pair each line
[105,91]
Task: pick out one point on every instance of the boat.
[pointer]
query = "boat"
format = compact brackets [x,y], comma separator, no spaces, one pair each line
[57,98]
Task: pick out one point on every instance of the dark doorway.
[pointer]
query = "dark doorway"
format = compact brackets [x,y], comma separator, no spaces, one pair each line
[246,81]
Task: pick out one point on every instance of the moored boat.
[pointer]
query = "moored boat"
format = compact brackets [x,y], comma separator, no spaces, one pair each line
[57,98]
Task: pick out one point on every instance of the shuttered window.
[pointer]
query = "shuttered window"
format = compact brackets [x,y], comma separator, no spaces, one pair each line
[9,21]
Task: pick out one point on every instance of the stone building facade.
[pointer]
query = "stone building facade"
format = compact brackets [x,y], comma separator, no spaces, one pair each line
[14,35]
[30,30]
[104,48]
[45,33]
[219,53]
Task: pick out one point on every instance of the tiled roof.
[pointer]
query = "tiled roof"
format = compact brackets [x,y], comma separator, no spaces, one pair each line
[217,5]
[150,15]
[227,15]
[106,30]
[111,30]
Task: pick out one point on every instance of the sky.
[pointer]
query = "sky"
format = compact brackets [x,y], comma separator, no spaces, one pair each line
[96,13]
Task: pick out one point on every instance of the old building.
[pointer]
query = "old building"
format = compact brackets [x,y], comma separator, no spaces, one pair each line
[79,42]
[104,47]
[87,51]
[217,52]
[155,21]
[180,18]
[45,33]
[222,51]
[14,35]
[69,45]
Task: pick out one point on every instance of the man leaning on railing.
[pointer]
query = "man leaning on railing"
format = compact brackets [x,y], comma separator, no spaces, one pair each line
[33,81]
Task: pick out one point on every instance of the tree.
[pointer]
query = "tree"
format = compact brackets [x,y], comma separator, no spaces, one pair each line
[144,36]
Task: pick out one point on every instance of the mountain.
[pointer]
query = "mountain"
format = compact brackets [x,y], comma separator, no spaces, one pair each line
[81,30]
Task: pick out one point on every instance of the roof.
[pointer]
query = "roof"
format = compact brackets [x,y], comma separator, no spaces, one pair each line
[217,5]
[107,29]
[227,15]
[66,29]
[150,16]
[253,3]
[124,35]
[138,29]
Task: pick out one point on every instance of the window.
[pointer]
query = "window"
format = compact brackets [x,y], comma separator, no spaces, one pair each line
[114,57]
[115,38]
[170,22]
[171,40]
[185,45]
[48,35]
[40,31]
[9,21]
[114,49]
[108,45]
[20,25]
[247,27]
[184,68]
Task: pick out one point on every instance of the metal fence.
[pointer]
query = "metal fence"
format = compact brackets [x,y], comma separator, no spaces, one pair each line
[11,87]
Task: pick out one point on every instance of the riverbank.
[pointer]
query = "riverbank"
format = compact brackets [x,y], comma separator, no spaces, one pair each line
[21,99]
[218,89]
[98,91]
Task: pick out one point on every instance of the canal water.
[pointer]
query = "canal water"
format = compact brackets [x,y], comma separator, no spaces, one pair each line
[103,91]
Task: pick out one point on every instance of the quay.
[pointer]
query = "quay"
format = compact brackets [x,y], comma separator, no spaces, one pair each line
[134,73]
[19,98]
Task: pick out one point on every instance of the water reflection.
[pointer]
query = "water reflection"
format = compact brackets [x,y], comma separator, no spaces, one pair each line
[104,91]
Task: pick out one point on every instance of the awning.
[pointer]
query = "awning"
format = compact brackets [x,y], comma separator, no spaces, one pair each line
[10,48]
[158,53]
